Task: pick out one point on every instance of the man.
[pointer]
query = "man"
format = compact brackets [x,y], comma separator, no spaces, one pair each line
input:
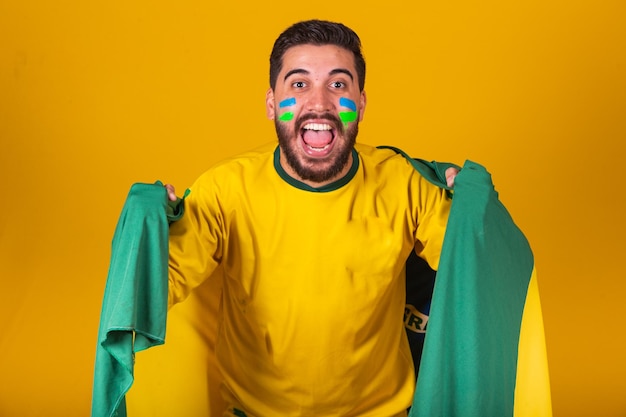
[312,236]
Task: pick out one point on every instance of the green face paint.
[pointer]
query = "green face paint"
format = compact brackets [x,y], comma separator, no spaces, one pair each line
[285,117]
[347,116]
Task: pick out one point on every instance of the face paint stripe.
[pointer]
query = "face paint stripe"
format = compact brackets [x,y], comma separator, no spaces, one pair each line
[347,116]
[346,102]
[288,102]
[285,117]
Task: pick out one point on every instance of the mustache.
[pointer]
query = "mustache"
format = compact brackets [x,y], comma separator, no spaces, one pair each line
[332,118]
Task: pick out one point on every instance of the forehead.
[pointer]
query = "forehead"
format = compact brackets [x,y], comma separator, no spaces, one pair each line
[318,58]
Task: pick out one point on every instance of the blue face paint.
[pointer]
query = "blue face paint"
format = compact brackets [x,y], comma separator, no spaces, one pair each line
[287,102]
[346,102]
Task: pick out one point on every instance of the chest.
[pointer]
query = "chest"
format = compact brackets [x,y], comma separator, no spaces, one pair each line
[281,233]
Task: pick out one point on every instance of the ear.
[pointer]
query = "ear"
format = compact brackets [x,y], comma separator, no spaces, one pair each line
[269,104]
[362,102]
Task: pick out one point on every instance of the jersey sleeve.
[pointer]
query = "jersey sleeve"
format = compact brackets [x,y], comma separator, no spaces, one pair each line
[431,201]
[195,240]
[432,211]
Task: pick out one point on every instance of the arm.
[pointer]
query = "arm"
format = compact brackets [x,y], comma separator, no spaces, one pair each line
[432,212]
[195,240]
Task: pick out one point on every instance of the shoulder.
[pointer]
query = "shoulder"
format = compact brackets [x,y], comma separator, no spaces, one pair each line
[246,163]
[250,158]
[393,163]
[384,158]
[233,175]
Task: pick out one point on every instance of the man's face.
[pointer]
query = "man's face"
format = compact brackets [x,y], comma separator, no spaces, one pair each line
[316,106]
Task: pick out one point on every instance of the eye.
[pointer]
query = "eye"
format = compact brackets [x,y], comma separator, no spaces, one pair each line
[337,84]
[298,84]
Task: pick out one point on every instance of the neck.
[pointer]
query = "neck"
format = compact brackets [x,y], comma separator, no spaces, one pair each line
[315,184]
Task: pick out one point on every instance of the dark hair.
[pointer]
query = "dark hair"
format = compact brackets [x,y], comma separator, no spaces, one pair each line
[317,32]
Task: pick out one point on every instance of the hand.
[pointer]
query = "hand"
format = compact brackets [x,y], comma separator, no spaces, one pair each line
[171,191]
[450,175]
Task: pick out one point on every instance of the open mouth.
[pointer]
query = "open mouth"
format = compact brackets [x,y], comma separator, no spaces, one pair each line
[317,137]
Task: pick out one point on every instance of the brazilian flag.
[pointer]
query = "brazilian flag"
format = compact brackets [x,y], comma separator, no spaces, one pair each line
[484,353]
[134,308]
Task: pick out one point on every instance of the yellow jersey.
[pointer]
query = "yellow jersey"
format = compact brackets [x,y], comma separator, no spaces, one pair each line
[313,280]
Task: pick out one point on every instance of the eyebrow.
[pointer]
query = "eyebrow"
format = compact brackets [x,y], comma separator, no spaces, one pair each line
[295,71]
[342,71]
[332,72]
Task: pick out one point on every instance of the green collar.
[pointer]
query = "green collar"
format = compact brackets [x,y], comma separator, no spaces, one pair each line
[325,188]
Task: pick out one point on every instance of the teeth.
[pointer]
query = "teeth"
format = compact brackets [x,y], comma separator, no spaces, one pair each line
[317,126]
[318,149]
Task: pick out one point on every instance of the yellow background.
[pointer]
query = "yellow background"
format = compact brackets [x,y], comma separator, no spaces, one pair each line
[97,95]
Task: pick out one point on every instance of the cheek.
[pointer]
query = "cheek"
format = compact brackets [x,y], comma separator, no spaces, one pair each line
[285,109]
[347,112]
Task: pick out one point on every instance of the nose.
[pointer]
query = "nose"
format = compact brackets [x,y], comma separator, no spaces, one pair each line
[319,100]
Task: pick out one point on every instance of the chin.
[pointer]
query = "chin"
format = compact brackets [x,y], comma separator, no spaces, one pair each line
[317,166]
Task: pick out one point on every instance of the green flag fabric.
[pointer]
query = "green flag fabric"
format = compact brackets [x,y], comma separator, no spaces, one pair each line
[484,353]
[134,307]
[470,353]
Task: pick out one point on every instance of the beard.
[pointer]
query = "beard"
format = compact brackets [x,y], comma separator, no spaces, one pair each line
[311,169]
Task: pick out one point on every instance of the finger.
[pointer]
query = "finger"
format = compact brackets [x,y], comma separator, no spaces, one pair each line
[171,192]
[451,175]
